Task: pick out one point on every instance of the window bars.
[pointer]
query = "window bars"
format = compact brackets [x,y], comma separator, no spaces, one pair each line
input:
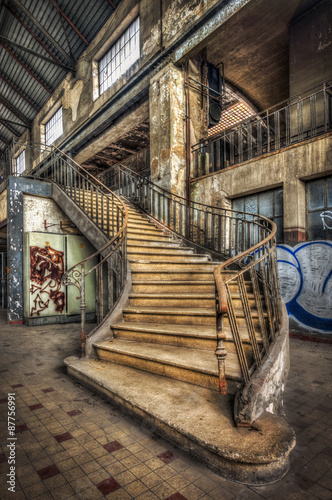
[121,56]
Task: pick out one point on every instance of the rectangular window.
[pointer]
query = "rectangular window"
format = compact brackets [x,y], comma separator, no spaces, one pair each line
[20,163]
[319,209]
[268,203]
[53,128]
[121,56]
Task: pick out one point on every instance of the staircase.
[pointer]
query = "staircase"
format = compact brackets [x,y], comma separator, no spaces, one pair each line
[188,326]
[169,326]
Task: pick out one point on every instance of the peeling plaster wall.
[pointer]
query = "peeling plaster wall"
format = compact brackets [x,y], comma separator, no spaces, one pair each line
[37,209]
[3,206]
[167,130]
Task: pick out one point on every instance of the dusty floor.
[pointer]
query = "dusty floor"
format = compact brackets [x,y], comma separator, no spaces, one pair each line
[71,444]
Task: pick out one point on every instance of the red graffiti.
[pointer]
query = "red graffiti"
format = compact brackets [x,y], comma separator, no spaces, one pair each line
[46,271]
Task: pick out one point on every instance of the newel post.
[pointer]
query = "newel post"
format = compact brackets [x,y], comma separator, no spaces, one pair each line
[221,353]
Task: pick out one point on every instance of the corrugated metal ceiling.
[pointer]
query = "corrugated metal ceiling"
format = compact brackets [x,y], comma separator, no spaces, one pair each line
[26,80]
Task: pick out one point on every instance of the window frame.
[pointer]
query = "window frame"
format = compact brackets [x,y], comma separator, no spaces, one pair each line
[275,218]
[18,162]
[113,57]
[326,208]
[60,119]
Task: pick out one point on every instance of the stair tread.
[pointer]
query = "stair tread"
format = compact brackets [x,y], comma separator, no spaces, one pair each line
[171,310]
[199,360]
[196,331]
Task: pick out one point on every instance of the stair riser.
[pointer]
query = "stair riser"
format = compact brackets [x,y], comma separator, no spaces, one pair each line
[170,302]
[176,288]
[192,377]
[177,319]
[237,303]
[160,251]
[181,266]
[177,276]
[230,347]
[164,339]
[242,322]
[158,256]
[134,237]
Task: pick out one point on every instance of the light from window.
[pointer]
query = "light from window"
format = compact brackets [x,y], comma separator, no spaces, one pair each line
[319,209]
[268,203]
[121,56]
[53,128]
[20,163]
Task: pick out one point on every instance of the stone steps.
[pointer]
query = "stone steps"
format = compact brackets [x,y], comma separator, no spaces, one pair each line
[195,366]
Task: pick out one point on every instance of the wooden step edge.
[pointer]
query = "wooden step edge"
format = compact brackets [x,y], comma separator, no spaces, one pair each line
[171,295]
[169,311]
[175,331]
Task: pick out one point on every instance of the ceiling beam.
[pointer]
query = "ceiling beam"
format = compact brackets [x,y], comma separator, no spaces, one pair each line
[7,41]
[11,130]
[4,141]
[26,68]
[14,123]
[19,92]
[110,2]
[13,110]
[32,33]
[53,2]
[45,32]
[112,146]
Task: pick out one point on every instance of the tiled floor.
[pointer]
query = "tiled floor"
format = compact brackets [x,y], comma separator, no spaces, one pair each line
[71,444]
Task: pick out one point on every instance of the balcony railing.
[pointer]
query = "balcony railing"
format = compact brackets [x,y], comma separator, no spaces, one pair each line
[295,120]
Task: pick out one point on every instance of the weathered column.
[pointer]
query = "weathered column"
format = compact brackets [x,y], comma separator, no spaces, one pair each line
[167,130]
[294,211]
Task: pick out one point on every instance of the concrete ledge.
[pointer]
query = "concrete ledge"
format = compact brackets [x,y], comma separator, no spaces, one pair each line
[266,387]
[197,420]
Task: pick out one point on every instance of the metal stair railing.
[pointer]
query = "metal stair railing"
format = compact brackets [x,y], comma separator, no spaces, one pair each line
[110,215]
[246,245]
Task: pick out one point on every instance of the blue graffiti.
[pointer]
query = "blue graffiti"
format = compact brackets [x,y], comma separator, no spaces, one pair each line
[306,283]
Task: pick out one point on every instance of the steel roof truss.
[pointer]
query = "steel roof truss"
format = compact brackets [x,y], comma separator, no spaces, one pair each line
[19,92]
[53,2]
[31,33]
[32,52]
[45,32]
[11,130]
[25,67]
[13,110]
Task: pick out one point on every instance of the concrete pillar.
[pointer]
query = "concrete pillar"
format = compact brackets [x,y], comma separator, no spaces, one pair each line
[167,130]
[294,211]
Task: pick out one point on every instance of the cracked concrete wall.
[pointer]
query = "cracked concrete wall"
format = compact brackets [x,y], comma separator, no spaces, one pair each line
[167,130]
[3,206]
[36,210]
